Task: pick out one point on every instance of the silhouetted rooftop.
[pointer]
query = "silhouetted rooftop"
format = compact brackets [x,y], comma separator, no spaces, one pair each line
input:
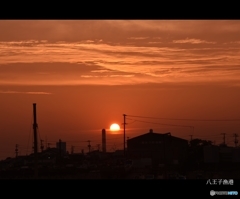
[155,135]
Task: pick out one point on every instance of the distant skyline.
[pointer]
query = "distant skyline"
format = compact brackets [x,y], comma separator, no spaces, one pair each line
[84,74]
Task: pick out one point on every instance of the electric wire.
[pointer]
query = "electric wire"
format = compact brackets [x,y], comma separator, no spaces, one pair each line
[203,120]
[164,124]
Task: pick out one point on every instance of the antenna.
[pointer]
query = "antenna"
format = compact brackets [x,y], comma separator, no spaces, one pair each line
[46,142]
[224,138]
[89,145]
[42,146]
[72,149]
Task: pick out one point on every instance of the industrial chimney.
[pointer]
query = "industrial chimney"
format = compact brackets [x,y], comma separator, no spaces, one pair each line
[104,141]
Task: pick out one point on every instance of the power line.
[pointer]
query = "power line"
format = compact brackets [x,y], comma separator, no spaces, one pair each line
[203,120]
[164,124]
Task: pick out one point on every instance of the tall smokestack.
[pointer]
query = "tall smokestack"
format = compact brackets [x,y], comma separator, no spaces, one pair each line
[104,140]
[35,138]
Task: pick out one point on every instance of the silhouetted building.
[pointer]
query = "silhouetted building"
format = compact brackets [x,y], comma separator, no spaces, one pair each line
[118,153]
[104,141]
[236,154]
[161,148]
[220,154]
[211,154]
[62,147]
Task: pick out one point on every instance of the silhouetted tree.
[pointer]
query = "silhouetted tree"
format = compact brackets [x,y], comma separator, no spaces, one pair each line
[196,154]
[199,143]
[222,145]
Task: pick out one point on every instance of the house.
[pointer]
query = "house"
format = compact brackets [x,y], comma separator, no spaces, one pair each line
[161,148]
[221,154]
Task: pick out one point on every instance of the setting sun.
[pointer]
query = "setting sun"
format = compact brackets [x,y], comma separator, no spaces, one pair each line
[114,127]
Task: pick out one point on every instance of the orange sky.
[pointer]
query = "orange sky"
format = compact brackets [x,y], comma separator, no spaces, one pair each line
[84,75]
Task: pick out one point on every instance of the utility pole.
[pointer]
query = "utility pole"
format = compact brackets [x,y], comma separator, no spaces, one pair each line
[124,134]
[33,146]
[60,148]
[46,142]
[72,149]
[89,146]
[16,150]
[35,139]
[98,146]
[235,139]
[224,138]
[191,137]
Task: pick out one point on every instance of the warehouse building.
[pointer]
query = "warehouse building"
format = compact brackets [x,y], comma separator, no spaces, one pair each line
[161,148]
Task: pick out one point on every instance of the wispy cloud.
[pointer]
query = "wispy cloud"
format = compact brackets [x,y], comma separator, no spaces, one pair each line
[29,93]
[100,71]
[99,61]
[232,42]
[138,38]
[154,42]
[121,76]
[192,41]
[93,76]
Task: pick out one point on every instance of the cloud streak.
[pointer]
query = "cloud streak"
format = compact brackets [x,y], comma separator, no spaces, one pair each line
[28,93]
[192,41]
[138,38]
[142,51]
[120,59]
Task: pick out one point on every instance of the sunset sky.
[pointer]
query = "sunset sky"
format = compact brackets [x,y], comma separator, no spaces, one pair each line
[85,74]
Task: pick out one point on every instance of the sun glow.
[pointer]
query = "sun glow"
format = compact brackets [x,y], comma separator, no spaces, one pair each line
[114,127]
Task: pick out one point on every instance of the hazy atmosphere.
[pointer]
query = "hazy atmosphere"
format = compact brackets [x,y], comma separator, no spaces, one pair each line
[85,74]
